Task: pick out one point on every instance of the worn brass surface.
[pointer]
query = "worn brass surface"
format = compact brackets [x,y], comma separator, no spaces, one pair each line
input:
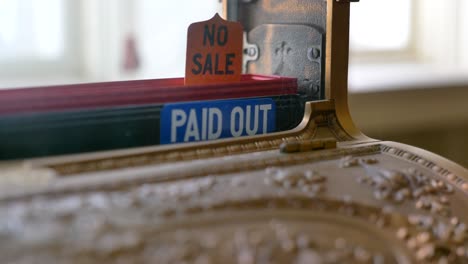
[328,195]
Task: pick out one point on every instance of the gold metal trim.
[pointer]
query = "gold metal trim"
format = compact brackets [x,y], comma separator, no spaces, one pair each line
[319,114]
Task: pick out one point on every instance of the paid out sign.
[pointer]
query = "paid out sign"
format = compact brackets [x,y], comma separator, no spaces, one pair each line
[207,120]
[214,52]
[214,56]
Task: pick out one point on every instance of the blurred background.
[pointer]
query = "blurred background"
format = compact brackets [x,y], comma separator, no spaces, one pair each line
[408,58]
[409,73]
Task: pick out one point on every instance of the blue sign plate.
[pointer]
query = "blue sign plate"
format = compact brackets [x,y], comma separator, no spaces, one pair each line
[207,120]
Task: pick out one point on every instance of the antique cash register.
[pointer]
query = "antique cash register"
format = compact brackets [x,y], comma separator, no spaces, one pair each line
[321,192]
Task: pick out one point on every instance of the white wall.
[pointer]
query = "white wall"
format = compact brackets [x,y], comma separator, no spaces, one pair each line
[162,33]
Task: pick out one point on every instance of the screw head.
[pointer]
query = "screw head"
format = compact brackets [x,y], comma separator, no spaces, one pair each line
[313,54]
[250,52]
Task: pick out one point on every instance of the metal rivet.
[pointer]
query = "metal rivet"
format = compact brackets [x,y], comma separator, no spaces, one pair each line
[250,52]
[313,54]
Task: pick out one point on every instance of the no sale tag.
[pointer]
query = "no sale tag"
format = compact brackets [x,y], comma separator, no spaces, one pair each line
[214,52]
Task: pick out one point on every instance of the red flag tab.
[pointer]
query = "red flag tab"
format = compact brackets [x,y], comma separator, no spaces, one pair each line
[214,52]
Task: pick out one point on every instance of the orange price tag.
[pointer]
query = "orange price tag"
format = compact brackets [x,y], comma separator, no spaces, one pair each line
[214,52]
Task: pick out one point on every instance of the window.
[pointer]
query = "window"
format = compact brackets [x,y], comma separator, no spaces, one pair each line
[31,29]
[45,42]
[377,31]
[35,37]
[400,44]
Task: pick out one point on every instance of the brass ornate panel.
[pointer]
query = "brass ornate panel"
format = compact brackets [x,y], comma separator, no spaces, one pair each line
[364,203]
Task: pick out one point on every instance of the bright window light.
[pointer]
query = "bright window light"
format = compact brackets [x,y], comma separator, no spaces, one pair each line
[374,30]
[31,29]
[163,35]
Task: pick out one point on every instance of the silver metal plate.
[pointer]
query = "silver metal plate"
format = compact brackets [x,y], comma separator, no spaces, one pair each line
[289,50]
